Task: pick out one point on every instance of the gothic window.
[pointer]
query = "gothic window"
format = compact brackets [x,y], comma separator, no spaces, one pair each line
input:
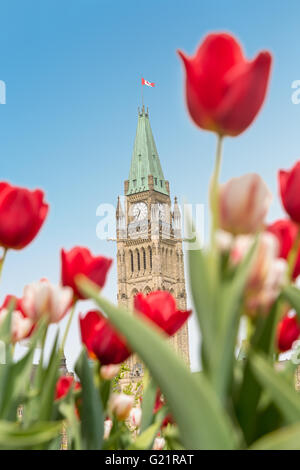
[144,259]
[150,257]
[138,260]
[132,296]
[166,263]
[131,261]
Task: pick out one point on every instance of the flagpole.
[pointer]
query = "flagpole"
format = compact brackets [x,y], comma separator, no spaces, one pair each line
[142,93]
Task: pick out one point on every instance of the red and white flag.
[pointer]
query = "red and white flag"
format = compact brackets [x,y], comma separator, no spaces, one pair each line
[145,82]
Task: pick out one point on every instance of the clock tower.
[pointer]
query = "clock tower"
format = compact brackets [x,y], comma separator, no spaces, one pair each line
[149,244]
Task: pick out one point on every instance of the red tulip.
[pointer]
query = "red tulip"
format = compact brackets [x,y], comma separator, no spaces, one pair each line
[63,386]
[160,308]
[288,331]
[78,261]
[224,90]
[102,340]
[289,182]
[22,213]
[286,232]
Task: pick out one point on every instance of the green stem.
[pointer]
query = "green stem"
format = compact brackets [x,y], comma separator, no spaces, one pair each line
[2,261]
[292,258]
[68,327]
[214,190]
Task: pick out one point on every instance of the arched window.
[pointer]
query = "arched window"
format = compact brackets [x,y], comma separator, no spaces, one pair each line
[131,261]
[132,296]
[144,259]
[170,261]
[150,257]
[138,258]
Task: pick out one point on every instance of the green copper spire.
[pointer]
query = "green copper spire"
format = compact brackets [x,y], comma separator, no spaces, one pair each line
[145,160]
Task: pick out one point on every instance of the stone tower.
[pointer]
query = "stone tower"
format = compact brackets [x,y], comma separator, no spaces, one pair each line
[149,244]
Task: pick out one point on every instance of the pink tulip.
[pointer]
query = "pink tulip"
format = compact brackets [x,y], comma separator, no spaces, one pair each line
[107,428]
[267,272]
[135,417]
[110,371]
[45,299]
[159,443]
[120,404]
[244,202]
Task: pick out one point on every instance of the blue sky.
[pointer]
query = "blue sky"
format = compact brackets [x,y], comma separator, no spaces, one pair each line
[72,71]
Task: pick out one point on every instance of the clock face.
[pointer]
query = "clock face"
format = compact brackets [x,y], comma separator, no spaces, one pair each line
[139,211]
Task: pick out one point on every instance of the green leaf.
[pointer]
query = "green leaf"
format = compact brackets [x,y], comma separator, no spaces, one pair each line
[148,405]
[292,295]
[248,395]
[192,402]
[47,392]
[219,315]
[287,438]
[13,436]
[145,440]
[15,380]
[68,411]
[91,414]
[170,433]
[228,310]
[5,326]
[282,392]
[202,288]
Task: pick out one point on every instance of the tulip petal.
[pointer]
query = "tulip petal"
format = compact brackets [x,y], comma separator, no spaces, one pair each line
[245,88]
[160,308]
[289,183]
